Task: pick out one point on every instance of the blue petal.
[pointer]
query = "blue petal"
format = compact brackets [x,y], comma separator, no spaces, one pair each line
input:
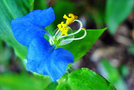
[60,58]
[42,17]
[44,59]
[25,32]
[39,50]
[31,26]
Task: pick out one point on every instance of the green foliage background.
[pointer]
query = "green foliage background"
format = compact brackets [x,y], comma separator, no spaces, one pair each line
[81,79]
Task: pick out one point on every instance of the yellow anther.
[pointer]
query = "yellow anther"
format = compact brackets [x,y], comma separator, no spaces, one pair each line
[65,31]
[70,18]
[83,28]
[63,28]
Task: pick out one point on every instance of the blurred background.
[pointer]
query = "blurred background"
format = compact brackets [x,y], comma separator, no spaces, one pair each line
[112,56]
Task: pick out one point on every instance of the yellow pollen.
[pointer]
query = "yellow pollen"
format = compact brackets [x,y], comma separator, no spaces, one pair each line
[83,28]
[63,28]
[65,31]
[70,18]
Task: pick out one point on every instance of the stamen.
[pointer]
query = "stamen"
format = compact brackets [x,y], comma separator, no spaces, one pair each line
[70,18]
[83,28]
[56,32]
[67,41]
[64,26]
[74,32]
[51,41]
[64,42]
[85,33]
[63,29]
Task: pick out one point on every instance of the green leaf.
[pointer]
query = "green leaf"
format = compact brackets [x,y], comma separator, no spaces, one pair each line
[109,71]
[22,81]
[116,12]
[121,84]
[80,47]
[9,10]
[83,79]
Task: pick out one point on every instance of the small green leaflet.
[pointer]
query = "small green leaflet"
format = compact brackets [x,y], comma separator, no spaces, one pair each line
[83,79]
[116,12]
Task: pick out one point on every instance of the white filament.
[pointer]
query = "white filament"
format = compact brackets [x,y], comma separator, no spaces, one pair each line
[66,41]
[74,32]
[69,40]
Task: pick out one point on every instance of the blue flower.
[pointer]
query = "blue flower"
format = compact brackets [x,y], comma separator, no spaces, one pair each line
[42,57]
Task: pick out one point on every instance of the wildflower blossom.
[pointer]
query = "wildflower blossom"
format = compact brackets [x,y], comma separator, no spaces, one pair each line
[42,56]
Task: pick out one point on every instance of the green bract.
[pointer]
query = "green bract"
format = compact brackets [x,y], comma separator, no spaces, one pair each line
[80,47]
